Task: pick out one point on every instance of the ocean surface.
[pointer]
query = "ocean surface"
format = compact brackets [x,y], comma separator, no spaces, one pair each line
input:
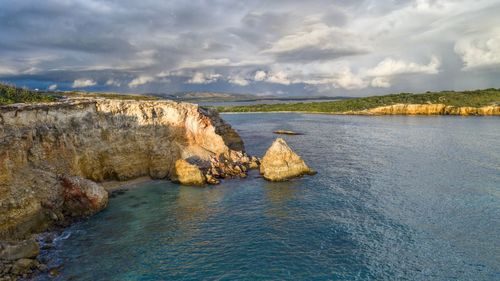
[395,198]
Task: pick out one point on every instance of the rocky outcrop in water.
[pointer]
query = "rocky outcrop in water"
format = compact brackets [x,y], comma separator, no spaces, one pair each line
[187,173]
[281,163]
[52,155]
[430,109]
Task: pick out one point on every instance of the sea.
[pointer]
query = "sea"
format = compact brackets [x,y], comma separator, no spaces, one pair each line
[395,198]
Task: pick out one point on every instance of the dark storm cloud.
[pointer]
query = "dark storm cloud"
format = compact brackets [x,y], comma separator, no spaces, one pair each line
[317,54]
[285,46]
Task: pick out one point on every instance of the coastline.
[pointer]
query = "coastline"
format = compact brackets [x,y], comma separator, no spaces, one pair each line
[399,110]
[357,114]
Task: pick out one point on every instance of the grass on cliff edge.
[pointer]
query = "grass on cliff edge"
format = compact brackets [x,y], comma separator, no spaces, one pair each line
[11,94]
[476,98]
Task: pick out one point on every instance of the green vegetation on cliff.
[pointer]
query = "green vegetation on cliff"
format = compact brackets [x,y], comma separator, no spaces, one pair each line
[476,98]
[10,94]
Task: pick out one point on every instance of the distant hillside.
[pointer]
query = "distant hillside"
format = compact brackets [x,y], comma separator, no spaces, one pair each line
[110,95]
[235,97]
[477,98]
[211,96]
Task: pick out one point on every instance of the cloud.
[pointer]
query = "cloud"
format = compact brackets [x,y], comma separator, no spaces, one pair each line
[203,78]
[82,83]
[141,80]
[479,52]
[391,67]
[52,87]
[317,41]
[260,75]
[292,47]
[205,63]
[340,77]
[6,70]
[278,77]
[381,82]
[238,80]
[113,82]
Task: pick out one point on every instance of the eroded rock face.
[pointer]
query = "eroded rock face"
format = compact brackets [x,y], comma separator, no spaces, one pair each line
[281,163]
[98,140]
[431,109]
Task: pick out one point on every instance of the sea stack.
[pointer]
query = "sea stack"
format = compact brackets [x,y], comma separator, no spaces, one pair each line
[188,174]
[280,163]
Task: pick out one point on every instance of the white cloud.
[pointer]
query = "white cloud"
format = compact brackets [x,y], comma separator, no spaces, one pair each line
[260,75]
[339,74]
[479,52]
[52,87]
[311,36]
[390,67]
[381,82]
[205,63]
[141,80]
[317,41]
[342,77]
[347,80]
[82,83]
[279,77]
[238,80]
[113,82]
[203,78]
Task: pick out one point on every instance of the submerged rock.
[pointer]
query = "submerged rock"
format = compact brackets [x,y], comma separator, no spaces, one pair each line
[281,163]
[187,173]
[286,132]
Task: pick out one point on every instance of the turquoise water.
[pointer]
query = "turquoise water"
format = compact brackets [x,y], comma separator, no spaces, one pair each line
[395,198]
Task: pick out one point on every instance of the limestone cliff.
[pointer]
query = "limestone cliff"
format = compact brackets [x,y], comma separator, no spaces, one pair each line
[96,139]
[430,109]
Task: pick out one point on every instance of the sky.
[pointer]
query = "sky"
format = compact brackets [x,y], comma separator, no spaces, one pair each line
[279,47]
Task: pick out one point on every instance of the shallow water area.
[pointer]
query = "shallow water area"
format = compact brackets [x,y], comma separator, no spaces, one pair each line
[395,198]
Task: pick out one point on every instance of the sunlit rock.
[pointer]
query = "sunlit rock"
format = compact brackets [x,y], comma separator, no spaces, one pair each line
[281,163]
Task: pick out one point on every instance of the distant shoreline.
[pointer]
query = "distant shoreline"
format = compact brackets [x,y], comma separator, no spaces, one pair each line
[400,110]
[478,102]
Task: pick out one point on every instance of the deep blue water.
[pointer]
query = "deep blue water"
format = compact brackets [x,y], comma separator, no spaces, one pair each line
[395,198]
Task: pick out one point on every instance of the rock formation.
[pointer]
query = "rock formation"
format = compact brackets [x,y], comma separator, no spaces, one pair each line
[281,163]
[187,173]
[429,109]
[52,154]
[286,132]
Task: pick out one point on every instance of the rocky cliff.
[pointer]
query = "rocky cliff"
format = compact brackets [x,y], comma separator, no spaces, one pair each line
[98,140]
[430,109]
[280,163]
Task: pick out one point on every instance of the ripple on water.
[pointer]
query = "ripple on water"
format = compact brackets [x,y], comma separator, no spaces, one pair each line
[395,198]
